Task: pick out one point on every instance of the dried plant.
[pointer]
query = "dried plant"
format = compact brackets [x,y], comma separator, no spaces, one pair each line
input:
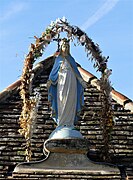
[106,114]
[36,50]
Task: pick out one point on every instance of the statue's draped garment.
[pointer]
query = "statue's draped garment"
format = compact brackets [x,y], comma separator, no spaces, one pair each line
[66,91]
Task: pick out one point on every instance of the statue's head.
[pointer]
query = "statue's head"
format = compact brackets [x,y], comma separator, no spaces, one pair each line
[64,46]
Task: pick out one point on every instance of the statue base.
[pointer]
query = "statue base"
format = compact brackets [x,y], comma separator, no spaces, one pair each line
[65,155]
[65,132]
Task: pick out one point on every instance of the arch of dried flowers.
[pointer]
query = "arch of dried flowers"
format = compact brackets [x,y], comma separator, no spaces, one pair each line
[29,107]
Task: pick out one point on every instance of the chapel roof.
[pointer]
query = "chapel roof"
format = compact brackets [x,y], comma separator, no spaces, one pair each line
[123,100]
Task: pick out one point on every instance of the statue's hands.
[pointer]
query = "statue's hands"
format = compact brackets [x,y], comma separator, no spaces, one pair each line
[48,84]
[84,84]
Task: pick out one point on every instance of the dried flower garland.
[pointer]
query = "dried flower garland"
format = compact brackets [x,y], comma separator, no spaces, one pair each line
[36,50]
[106,114]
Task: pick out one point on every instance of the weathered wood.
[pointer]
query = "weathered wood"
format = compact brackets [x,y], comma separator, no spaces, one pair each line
[12,144]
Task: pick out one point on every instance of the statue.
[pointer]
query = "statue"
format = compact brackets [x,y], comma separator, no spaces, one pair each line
[65,88]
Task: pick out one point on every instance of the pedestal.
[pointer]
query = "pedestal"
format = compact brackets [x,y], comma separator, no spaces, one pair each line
[65,155]
[66,151]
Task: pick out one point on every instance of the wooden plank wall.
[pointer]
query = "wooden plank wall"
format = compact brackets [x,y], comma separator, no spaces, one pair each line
[12,144]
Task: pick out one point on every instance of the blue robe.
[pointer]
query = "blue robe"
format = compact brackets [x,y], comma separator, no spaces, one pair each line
[52,90]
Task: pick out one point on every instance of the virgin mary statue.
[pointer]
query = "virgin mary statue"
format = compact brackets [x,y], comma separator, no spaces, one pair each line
[65,88]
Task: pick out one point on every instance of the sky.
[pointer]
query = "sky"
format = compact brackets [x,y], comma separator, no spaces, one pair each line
[108,23]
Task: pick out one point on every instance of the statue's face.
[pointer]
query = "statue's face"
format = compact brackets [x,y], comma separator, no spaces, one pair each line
[65,47]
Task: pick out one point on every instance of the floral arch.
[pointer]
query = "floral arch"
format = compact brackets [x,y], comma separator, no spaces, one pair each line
[94,54]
